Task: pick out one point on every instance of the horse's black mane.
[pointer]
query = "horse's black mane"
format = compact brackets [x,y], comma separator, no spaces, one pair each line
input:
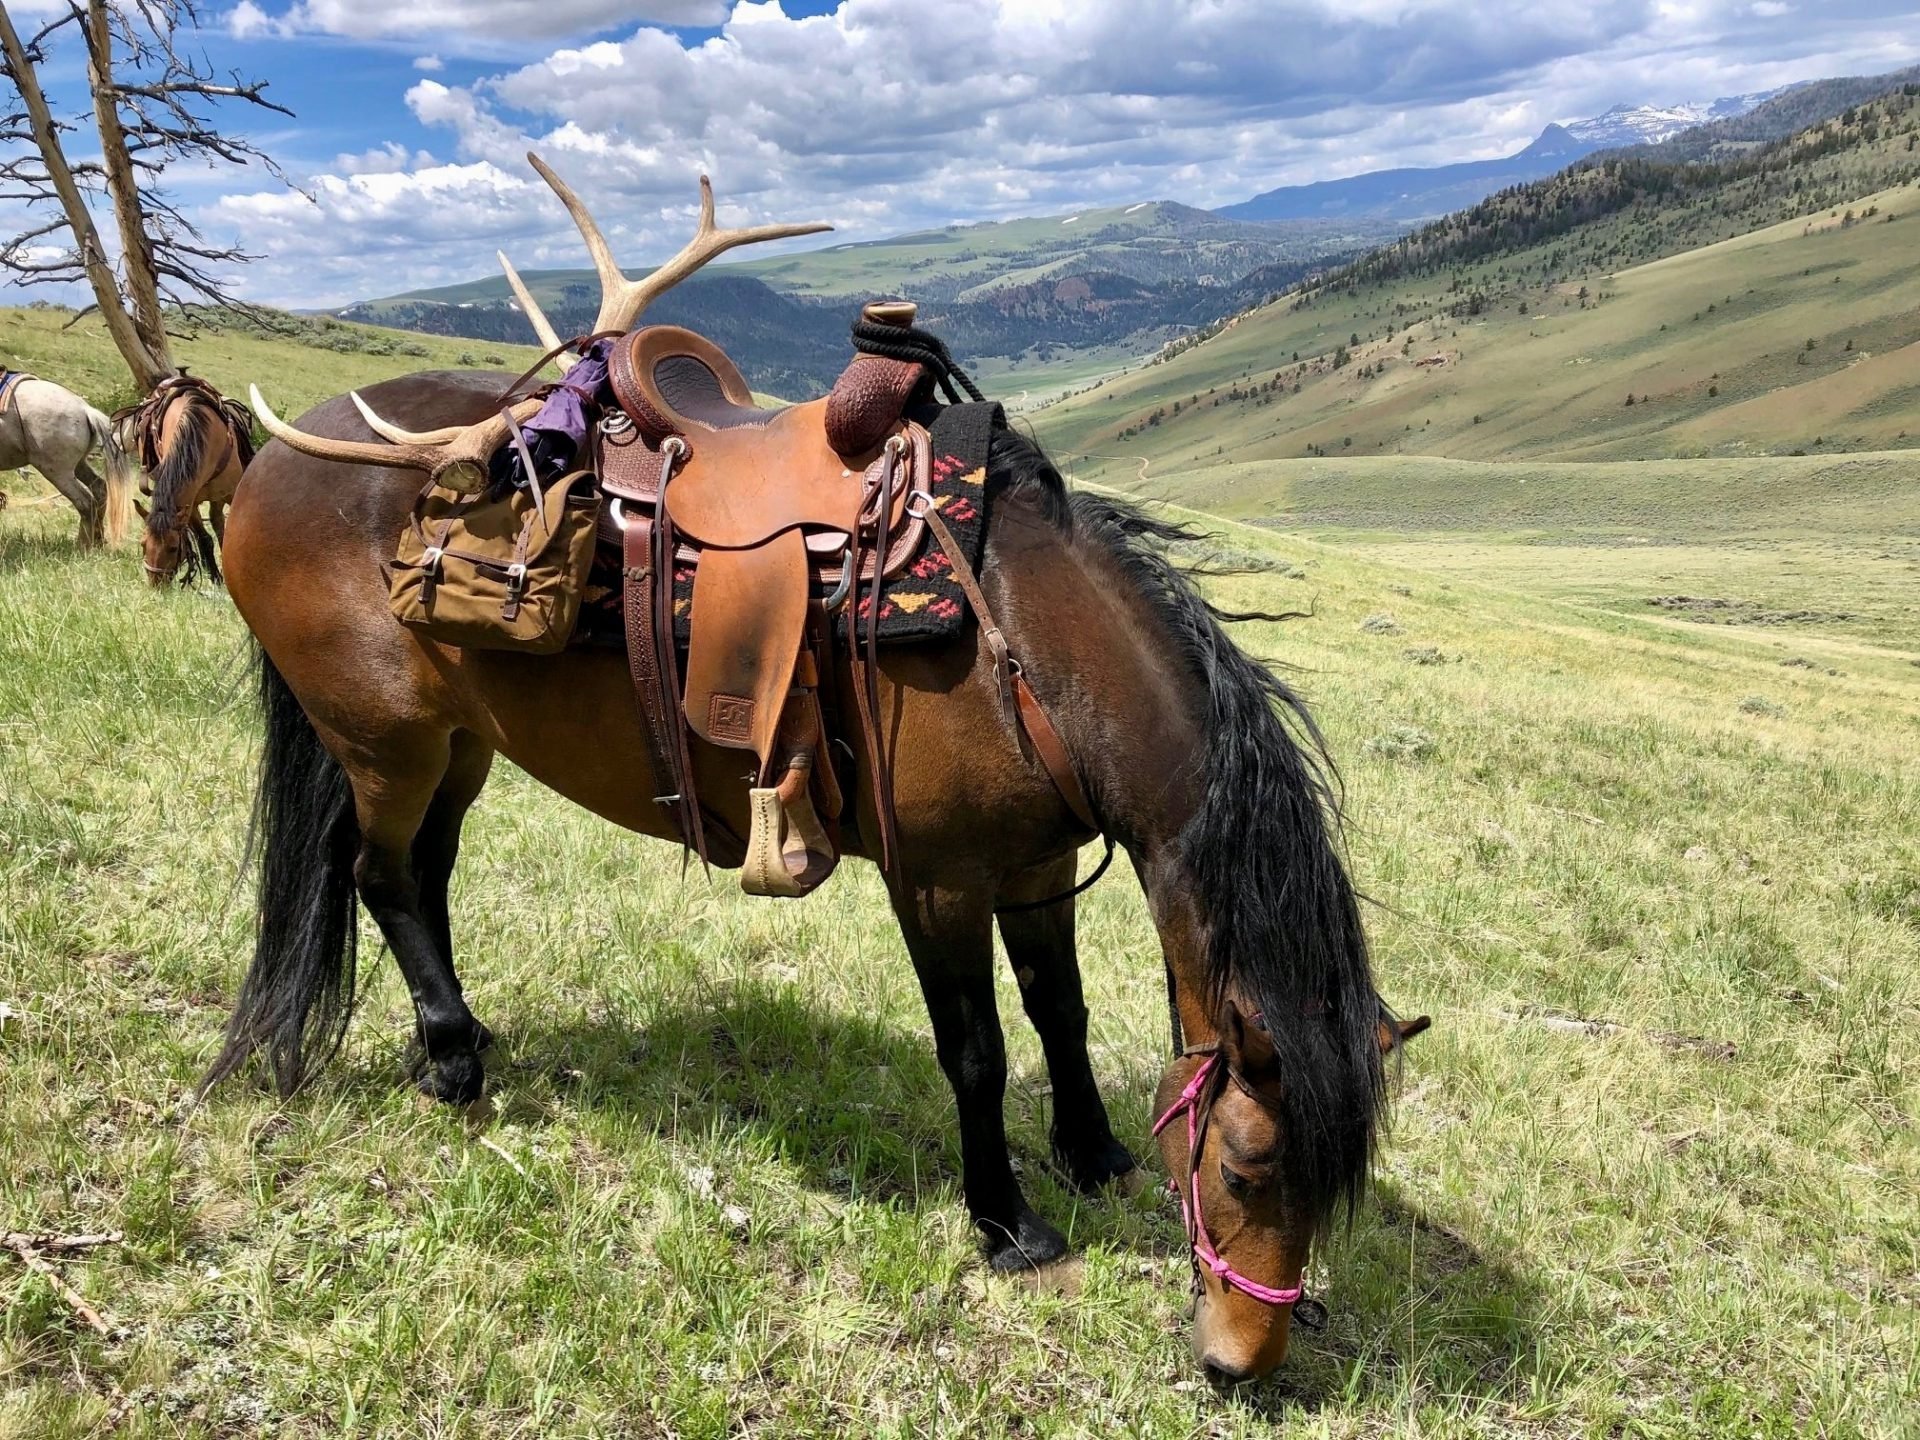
[1284,918]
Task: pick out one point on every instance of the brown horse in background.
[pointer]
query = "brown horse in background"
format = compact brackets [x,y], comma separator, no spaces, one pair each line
[1196,759]
[194,443]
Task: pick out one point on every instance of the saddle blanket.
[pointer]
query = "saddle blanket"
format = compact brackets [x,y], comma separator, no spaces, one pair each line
[9,379]
[920,603]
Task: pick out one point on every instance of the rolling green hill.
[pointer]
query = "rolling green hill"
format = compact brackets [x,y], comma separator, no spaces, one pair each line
[1150,243]
[1803,337]
[1797,335]
[1098,285]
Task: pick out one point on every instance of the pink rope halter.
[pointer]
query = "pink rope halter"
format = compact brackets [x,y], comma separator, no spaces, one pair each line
[1204,1252]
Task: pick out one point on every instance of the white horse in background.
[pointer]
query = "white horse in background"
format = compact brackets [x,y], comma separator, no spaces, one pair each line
[52,429]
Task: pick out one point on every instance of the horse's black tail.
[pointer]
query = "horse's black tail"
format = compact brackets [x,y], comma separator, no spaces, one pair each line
[298,993]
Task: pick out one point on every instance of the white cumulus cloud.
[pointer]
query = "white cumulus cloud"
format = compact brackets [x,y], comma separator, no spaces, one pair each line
[891,114]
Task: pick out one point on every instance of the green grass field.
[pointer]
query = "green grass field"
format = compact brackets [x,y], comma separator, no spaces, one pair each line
[1787,550]
[714,1188]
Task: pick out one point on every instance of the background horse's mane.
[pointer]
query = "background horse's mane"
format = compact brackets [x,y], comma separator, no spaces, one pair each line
[1283,918]
[198,427]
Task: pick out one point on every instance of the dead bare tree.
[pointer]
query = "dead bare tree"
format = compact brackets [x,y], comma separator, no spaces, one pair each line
[152,104]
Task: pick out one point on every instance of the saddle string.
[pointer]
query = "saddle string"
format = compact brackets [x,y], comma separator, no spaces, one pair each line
[679,757]
[578,345]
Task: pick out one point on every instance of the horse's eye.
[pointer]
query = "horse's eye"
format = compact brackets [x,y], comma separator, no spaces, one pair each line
[1236,1183]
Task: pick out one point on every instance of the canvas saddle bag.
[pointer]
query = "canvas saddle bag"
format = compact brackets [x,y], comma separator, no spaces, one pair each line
[497,572]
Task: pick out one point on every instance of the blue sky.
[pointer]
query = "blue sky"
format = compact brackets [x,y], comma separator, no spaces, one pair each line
[413,116]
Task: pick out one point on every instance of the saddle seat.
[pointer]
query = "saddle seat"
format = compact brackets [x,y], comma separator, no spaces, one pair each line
[781,515]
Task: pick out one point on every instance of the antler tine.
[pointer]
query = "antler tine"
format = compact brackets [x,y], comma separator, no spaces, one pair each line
[394,435]
[623,301]
[542,327]
[455,457]
[347,452]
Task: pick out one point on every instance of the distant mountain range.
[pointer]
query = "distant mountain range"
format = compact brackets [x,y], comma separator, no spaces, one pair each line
[1415,194]
[1126,278]
[1119,281]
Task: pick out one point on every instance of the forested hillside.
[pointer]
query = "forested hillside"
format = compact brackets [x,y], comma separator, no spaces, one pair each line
[1628,207]
[1769,305]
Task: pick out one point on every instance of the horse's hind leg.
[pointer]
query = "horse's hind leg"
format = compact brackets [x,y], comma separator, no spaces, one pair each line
[435,850]
[401,808]
[950,936]
[1041,950]
[88,492]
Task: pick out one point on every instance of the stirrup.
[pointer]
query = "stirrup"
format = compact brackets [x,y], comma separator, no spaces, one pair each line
[788,853]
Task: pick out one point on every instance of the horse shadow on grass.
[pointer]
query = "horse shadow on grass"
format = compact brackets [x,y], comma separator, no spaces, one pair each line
[856,1106]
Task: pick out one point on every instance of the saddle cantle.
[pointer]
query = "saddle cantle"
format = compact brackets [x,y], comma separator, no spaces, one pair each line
[779,525]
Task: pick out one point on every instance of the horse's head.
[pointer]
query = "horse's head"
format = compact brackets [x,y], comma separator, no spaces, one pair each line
[1227,1151]
[188,438]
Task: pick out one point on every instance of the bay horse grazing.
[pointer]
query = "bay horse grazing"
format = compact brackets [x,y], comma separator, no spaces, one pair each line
[52,429]
[194,443]
[1196,759]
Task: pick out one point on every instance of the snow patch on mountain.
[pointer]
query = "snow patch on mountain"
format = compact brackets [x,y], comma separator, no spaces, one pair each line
[1650,124]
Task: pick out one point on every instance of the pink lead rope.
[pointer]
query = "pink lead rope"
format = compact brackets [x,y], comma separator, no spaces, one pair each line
[1203,1249]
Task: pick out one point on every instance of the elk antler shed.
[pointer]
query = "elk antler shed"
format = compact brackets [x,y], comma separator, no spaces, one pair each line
[457,456]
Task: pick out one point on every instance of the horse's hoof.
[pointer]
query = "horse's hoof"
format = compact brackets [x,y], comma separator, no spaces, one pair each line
[454,1079]
[1031,1243]
[1094,1168]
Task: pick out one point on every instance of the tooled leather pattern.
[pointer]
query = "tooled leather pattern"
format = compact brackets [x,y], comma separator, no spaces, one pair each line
[867,402]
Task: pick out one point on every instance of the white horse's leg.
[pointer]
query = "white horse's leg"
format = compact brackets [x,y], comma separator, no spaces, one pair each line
[89,496]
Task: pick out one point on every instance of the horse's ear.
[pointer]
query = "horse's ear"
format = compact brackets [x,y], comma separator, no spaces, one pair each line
[1247,1046]
[1395,1033]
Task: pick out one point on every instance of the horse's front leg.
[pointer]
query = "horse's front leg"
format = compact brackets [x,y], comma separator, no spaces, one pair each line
[217,513]
[950,936]
[1041,950]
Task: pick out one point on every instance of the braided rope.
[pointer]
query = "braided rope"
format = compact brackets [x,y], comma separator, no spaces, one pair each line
[921,347]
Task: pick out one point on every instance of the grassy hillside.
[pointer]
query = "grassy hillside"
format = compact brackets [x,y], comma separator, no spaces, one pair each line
[322,359]
[714,1188]
[1075,289]
[1627,207]
[1804,336]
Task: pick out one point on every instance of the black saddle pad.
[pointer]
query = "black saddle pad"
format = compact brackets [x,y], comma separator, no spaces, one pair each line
[921,603]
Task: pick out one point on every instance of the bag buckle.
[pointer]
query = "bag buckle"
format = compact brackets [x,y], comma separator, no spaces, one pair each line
[430,562]
[516,578]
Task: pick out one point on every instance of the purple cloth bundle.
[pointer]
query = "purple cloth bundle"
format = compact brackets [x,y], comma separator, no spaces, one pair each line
[557,433]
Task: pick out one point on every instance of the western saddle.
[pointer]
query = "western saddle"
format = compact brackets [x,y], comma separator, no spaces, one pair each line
[789,523]
[782,516]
